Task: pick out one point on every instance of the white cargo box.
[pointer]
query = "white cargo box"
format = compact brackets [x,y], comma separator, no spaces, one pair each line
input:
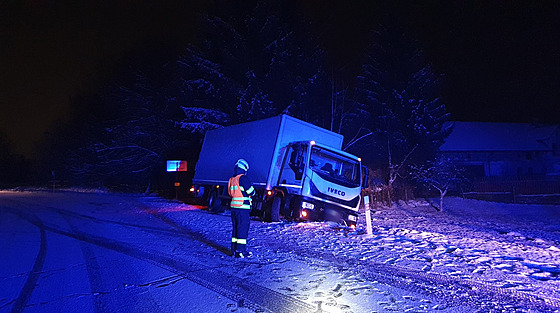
[260,143]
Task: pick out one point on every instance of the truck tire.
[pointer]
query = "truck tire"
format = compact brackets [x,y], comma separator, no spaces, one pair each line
[214,203]
[292,211]
[275,209]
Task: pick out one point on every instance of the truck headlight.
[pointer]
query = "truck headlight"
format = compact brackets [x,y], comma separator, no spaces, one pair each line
[307,205]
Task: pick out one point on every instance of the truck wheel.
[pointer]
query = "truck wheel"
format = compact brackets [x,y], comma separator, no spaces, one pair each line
[214,203]
[292,212]
[275,209]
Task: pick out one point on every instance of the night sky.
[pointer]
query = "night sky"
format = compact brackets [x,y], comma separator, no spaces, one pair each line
[501,59]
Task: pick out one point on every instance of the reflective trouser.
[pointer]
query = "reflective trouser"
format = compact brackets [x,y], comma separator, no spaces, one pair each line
[240,220]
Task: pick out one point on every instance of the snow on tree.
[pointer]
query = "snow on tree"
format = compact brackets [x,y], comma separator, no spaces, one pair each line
[440,174]
[200,120]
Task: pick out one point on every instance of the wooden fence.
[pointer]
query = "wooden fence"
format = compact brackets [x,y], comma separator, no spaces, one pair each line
[386,195]
[511,191]
[515,191]
[523,187]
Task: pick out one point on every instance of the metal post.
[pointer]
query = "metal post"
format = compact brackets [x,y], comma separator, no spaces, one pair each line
[367,206]
[53,180]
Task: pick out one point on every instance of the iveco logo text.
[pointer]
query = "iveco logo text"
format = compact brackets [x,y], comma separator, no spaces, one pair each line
[336,191]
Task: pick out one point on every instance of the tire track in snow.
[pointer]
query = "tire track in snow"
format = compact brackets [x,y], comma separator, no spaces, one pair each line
[178,231]
[255,297]
[186,231]
[27,290]
[95,278]
[450,289]
[107,221]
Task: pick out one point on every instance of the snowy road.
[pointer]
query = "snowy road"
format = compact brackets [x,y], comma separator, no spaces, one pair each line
[81,252]
[87,253]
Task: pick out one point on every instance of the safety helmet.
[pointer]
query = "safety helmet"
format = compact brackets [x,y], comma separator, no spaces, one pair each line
[242,164]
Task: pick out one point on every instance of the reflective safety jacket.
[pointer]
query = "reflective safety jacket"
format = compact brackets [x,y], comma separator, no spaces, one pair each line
[240,192]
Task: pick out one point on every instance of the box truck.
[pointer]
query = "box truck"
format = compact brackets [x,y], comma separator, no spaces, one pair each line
[298,170]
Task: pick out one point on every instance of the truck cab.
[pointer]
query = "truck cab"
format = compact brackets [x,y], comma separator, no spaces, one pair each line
[315,182]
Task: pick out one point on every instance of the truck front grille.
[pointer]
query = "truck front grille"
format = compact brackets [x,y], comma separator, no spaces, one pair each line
[351,203]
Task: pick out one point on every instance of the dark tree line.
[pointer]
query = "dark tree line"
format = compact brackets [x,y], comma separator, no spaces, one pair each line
[250,62]
[14,168]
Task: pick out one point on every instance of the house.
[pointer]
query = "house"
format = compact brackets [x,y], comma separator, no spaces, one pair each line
[505,151]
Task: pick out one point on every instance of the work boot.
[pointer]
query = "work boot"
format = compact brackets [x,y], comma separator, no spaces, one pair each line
[243,255]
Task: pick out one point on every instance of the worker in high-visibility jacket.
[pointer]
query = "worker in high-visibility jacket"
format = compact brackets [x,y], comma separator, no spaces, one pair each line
[241,191]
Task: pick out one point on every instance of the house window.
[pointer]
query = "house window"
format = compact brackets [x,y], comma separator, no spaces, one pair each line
[528,155]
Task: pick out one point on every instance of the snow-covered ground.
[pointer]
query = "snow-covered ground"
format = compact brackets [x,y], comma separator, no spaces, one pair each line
[67,252]
[484,254]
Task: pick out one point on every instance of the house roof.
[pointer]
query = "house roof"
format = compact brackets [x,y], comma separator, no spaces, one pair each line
[482,136]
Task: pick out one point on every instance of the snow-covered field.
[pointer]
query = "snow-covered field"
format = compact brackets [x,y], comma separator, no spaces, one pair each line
[489,255]
[509,246]
[475,256]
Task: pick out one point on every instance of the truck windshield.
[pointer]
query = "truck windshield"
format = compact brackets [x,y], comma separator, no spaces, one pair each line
[335,167]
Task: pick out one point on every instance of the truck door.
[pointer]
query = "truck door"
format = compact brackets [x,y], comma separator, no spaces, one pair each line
[294,165]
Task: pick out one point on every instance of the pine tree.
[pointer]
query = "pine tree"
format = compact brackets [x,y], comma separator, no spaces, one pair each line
[401,93]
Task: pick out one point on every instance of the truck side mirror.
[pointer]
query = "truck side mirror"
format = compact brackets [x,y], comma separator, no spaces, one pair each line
[365,176]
